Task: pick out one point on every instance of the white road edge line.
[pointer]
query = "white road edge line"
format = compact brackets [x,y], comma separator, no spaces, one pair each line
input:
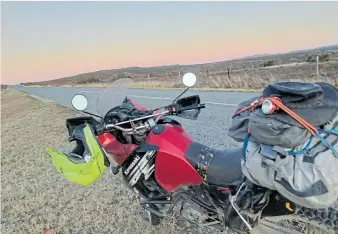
[149,97]
[46,100]
[220,103]
[164,98]
[84,91]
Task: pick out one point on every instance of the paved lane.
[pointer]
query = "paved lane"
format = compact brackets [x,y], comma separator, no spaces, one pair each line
[210,128]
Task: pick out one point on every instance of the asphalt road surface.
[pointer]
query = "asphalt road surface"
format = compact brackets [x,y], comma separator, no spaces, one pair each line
[211,128]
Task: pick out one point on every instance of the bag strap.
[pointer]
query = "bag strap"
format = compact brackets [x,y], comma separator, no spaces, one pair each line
[277,102]
[304,150]
[245,145]
[332,131]
[335,153]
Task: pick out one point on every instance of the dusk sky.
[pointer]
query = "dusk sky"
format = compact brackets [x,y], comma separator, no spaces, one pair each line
[47,40]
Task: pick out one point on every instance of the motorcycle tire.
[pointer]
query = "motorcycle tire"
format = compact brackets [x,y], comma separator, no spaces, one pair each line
[319,221]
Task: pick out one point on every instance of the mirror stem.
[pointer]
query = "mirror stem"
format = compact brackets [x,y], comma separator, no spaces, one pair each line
[88,113]
[181,94]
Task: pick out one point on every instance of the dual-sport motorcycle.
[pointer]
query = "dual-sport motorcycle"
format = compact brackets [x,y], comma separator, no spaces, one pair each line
[166,168]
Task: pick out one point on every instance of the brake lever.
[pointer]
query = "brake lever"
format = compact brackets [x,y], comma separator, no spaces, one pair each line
[201,106]
[180,109]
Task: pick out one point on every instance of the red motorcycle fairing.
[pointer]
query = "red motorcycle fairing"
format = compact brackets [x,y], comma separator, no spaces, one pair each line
[172,169]
[117,150]
[111,145]
[142,108]
[138,106]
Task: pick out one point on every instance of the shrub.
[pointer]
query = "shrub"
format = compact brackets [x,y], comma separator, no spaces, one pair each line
[322,58]
[121,75]
[268,63]
[88,80]
[311,59]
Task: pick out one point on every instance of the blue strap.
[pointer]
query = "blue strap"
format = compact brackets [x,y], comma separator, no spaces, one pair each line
[304,150]
[335,153]
[245,145]
[334,132]
[293,153]
[308,144]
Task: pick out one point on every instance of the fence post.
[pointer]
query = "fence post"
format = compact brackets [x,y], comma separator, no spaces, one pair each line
[252,75]
[278,68]
[228,72]
[317,66]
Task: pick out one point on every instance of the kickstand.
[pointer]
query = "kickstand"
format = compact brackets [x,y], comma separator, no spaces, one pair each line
[232,201]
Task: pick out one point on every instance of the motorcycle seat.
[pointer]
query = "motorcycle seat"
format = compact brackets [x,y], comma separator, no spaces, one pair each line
[223,167]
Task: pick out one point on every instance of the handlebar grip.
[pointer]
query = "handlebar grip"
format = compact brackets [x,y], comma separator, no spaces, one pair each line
[201,106]
[100,129]
[176,108]
[171,108]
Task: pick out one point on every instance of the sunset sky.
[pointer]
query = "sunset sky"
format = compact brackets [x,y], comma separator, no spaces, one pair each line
[47,40]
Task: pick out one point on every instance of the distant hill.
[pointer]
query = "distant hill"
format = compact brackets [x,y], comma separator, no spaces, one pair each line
[258,56]
[318,49]
[176,67]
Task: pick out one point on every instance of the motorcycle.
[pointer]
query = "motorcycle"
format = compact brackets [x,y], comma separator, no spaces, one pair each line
[166,168]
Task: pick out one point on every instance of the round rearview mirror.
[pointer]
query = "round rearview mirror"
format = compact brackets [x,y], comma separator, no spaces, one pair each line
[79,102]
[189,79]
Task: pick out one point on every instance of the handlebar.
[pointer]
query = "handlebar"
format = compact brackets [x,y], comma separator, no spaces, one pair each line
[172,109]
[200,106]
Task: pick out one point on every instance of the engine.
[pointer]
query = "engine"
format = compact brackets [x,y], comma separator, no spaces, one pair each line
[138,174]
[193,212]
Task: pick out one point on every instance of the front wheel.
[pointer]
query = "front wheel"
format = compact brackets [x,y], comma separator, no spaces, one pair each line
[309,221]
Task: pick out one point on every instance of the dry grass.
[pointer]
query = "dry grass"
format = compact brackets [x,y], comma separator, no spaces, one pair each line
[35,197]
[4,87]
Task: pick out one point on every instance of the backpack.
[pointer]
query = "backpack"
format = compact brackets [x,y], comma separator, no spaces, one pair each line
[280,153]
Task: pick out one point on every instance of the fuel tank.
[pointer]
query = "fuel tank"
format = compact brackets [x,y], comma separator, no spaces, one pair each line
[172,169]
